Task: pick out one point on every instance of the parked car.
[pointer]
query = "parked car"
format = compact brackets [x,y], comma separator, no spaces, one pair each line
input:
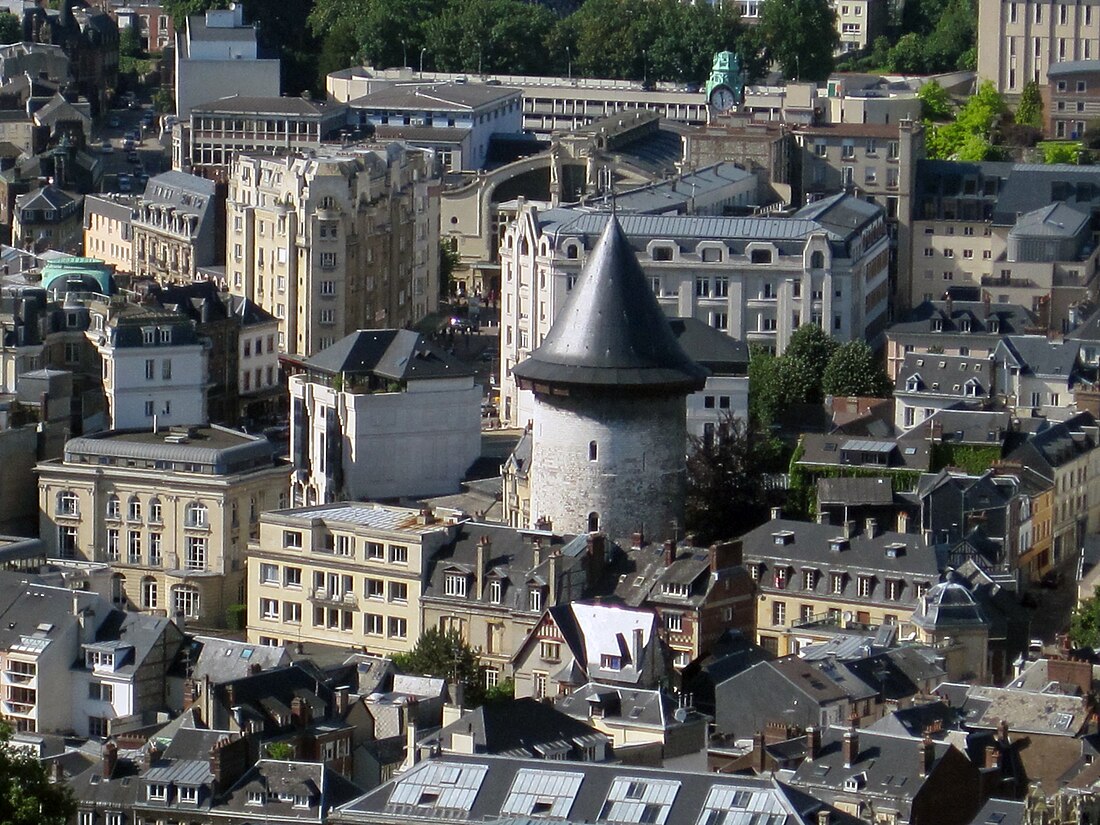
[107,148]
[133,158]
[124,183]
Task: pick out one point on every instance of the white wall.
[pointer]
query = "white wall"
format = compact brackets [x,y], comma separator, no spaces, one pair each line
[734,388]
[129,390]
[203,81]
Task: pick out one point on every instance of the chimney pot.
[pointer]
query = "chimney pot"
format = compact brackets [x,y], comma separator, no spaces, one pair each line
[670,551]
[851,747]
[849,529]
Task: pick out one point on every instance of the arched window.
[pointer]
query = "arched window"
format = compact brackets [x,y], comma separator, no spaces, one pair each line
[593,522]
[761,256]
[133,509]
[817,260]
[156,514]
[68,504]
[114,507]
[150,595]
[185,601]
[572,251]
[197,515]
[118,591]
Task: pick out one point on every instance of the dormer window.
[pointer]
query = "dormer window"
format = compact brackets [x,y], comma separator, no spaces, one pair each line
[496,590]
[783,537]
[99,659]
[994,325]
[534,599]
[675,589]
[809,579]
[301,801]
[454,584]
[609,662]
[937,325]
[912,383]
[781,578]
[854,783]
[158,792]
[973,388]
[256,798]
[964,325]
[189,795]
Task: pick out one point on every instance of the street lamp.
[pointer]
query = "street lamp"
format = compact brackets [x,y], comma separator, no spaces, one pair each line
[422,62]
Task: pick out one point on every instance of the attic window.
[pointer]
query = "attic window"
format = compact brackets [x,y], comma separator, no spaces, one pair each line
[609,662]
[256,798]
[783,537]
[428,798]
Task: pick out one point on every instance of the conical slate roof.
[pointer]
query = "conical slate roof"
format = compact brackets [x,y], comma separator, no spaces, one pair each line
[612,332]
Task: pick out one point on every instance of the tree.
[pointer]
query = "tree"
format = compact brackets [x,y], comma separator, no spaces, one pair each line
[11,30]
[801,36]
[968,136]
[129,43]
[1059,152]
[27,797]
[445,655]
[180,10]
[1030,110]
[807,354]
[726,494]
[935,103]
[1084,624]
[854,370]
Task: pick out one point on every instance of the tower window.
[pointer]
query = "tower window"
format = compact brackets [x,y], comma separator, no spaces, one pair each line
[593,522]
[593,451]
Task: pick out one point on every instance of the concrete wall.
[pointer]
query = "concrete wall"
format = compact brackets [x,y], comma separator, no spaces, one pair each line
[203,81]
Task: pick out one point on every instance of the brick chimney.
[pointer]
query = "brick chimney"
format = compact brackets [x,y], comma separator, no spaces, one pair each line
[484,547]
[637,540]
[190,693]
[229,759]
[595,559]
[760,752]
[813,743]
[340,702]
[552,576]
[851,747]
[992,757]
[670,551]
[724,555]
[301,712]
[927,756]
[903,521]
[110,759]
[536,552]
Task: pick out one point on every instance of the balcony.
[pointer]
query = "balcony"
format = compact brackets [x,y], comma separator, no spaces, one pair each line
[320,595]
[17,708]
[15,677]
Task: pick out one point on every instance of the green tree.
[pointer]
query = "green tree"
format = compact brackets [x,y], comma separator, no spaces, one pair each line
[935,103]
[907,56]
[808,353]
[1084,624]
[968,136]
[1061,152]
[445,655]
[854,370]
[11,30]
[129,43]
[338,50]
[27,797]
[180,10]
[726,494]
[279,750]
[1030,110]
[801,36]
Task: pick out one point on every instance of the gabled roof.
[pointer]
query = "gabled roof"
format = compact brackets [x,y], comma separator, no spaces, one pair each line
[1056,443]
[611,331]
[951,315]
[1039,355]
[48,197]
[396,354]
[1055,220]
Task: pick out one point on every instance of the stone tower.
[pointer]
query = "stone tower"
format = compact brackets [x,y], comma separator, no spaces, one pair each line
[610,383]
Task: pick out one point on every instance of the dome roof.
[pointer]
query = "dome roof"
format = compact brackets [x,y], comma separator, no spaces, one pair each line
[948,605]
[612,332]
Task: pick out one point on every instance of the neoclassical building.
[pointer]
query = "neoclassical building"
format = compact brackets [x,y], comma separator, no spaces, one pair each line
[171,512]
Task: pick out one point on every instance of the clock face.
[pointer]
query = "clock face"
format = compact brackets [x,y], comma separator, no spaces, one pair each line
[722,99]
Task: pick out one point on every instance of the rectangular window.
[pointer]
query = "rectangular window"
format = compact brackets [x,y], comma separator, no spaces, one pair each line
[495,591]
[836,583]
[399,554]
[864,587]
[292,577]
[372,624]
[269,574]
[454,584]
[150,369]
[269,609]
[399,627]
[375,589]
[376,551]
[399,592]
[292,538]
[196,552]
[166,369]
[779,614]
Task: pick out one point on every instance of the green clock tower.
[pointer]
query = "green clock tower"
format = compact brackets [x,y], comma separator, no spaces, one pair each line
[725,88]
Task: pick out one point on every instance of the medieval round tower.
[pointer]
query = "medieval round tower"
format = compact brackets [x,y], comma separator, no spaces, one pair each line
[609,381]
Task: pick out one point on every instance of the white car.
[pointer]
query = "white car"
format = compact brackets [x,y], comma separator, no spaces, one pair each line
[107,148]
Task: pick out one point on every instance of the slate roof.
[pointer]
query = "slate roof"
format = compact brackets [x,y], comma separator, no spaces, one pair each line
[1089,330]
[234,104]
[1003,811]
[48,197]
[225,451]
[839,449]
[612,333]
[223,660]
[1055,444]
[1055,220]
[1038,355]
[669,196]
[711,348]
[790,690]
[946,606]
[324,788]
[395,354]
[523,728]
[1064,67]
[855,492]
[915,720]
[1010,318]
[634,707]
[945,376]
[492,788]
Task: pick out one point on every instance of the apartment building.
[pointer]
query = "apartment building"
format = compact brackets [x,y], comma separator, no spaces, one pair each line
[858,23]
[349,574]
[155,368]
[217,130]
[170,511]
[845,576]
[1035,375]
[175,228]
[70,661]
[47,218]
[108,231]
[1027,38]
[1021,231]
[217,54]
[927,384]
[334,241]
[382,414]
[757,279]
[1071,98]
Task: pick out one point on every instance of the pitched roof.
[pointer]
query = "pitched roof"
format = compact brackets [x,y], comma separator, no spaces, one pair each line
[396,354]
[525,728]
[949,318]
[434,97]
[1039,355]
[611,331]
[711,348]
[1055,220]
[855,491]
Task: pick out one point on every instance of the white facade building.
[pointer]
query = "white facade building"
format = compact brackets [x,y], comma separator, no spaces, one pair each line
[756,279]
[216,56]
[154,366]
[382,414]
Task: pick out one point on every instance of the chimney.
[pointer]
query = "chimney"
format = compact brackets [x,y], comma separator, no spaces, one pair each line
[595,555]
[723,555]
[637,540]
[950,305]
[484,545]
[150,754]
[340,701]
[426,516]
[849,529]
[903,521]
[777,513]
[670,552]
[813,743]
[927,755]
[851,747]
[761,753]
[411,756]
[552,578]
[110,759]
[992,757]
[871,528]
[229,759]
[536,552]
[824,817]
[254,669]
[190,693]
[301,712]
[638,650]
[1002,732]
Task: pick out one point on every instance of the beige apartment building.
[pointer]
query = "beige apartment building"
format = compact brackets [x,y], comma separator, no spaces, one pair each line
[171,512]
[335,241]
[1022,39]
[108,229]
[349,574]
